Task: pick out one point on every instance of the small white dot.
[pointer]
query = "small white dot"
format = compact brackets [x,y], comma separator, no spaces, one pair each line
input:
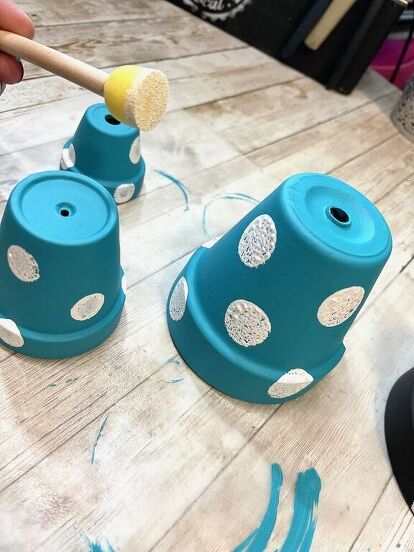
[290,383]
[135,151]
[10,333]
[23,265]
[246,323]
[68,158]
[124,284]
[258,241]
[340,306]
[87,307]
[178,299]
[124,192]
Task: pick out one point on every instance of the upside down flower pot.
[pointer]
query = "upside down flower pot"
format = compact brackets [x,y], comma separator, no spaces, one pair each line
[262,313]
[108,151]
[60,273]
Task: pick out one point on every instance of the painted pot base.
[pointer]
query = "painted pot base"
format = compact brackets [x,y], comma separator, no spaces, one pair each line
[220,365]
[54,346]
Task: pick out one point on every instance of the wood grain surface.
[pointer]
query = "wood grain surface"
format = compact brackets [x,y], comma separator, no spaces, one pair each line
[180,467]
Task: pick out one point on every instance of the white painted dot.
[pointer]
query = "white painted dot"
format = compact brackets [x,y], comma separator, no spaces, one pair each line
[135,151]
[246,323]
[87,307]
[10,333]
[211,242]
[178,299]
[68,157]
[124,192]
[290,383]
[339,306]
[258,241]
[23,265]
[124,284]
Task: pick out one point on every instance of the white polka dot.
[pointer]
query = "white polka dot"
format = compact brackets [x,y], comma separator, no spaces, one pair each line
[211,242]
[124,192]
[258,241]
[87,307]
[290,383]
[246,323]
[135,151]
[68,157]
[124,284]
[10,333]
[178,300]
[339,306]
[23,265]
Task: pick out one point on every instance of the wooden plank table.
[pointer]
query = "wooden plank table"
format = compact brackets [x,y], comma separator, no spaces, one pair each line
[179,466]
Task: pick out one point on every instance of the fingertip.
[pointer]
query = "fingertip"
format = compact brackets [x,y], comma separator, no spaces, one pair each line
[11,69]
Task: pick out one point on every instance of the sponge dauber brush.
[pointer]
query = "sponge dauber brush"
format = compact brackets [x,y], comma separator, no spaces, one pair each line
[136,96]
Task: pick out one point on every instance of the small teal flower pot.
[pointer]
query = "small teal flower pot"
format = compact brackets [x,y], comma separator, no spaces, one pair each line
[261,314]
[61,281]
[107,151]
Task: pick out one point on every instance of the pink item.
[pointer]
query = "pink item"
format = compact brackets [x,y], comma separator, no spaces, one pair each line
[385,60]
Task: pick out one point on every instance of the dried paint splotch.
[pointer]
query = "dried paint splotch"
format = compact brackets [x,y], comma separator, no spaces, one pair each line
[178,299]
[10,333]
[246,323]
[23,265]
[340,306]
[238,196]
[258,241]
[87,307]
[258,539]
[303,524]
[290,383]
[98,436]
[99,545]
[179,185]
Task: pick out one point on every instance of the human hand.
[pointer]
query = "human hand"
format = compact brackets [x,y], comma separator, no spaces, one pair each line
[14,20]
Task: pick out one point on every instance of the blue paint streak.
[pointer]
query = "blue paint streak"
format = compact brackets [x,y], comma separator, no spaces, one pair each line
[234,195]
[178,183]
[176,380]
[258,539]
[173,361]
[52,385]
[98,436]
[302,528]
[100,546]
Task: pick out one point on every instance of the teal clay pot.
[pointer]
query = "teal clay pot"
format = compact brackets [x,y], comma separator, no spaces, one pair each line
[261,314]
[60,271]
[107,151]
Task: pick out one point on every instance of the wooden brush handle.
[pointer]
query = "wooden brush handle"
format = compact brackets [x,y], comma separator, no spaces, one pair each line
[53,61]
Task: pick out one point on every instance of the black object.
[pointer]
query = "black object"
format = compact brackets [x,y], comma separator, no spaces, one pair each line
[399,434]
[301,32]
[366,41]
[271,24]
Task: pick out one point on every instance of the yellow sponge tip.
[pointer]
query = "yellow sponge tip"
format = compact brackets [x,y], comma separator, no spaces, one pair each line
[137,96]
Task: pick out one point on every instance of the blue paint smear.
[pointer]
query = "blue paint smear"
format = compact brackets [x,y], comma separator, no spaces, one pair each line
[302,528]
[173,361]
[178,183]
[100,546]
[234,195]
[176,380]
[52,385]
[258,539]
[98,436]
